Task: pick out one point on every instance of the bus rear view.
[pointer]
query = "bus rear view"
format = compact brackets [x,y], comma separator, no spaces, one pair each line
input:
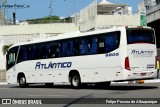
[141,59]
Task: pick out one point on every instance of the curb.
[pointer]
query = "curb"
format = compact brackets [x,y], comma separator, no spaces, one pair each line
[145,81]
[152,81]
[3,83]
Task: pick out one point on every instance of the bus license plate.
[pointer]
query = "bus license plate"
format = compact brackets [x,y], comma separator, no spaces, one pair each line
[143,74]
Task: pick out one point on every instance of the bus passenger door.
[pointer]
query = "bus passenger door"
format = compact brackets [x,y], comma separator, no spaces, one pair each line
[11,65]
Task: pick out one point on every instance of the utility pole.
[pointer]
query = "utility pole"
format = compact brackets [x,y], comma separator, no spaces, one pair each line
[64,11]
[74,11]
[14,13]
[50,9]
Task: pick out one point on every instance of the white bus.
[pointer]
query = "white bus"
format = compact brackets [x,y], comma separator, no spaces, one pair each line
[99,57]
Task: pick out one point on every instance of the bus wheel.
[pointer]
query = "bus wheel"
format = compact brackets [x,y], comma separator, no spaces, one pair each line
[75,81]
[22,82]
[49,84]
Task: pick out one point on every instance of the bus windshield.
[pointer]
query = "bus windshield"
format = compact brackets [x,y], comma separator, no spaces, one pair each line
[140,36]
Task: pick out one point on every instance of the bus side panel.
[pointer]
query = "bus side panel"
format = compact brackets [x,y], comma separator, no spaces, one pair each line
[30,76]
[60,75]
[124,53]
[98,68]
[50,76]
[11,76]
[40,76]
[87,75]
[106,67]
[92,68]
[107,74]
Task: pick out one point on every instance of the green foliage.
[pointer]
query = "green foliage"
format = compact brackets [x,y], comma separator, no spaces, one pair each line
[49,19]
[5,48]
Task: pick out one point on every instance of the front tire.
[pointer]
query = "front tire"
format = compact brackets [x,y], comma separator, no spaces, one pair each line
[22,82]
[75,81]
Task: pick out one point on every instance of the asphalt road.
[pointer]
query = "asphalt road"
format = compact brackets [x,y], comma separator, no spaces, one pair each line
[147,90]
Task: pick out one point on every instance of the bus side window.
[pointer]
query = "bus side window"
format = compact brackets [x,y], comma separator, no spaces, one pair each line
[29,48]
[43,51]
[70,48]
[83,47]
[93,47]
[108,42]
[36,51]
[23,54]
[64,49]
[76,48]
[20,55]
[57,52]
[101,48]
[33,52]
[47,50]
[37,54]
[54,50]
[111,41]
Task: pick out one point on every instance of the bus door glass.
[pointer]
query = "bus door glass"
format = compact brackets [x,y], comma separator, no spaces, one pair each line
[11,57]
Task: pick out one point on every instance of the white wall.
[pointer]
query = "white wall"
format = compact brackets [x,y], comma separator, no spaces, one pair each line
[38,28]
[118,20]
[111,20]
[2,57]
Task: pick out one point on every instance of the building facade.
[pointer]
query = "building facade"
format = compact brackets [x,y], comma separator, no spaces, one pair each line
[104,14]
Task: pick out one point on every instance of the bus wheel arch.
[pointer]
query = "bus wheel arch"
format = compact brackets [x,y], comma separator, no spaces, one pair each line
[21,79]
[75,79]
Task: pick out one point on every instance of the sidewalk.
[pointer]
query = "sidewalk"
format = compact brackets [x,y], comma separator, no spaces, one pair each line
[145,81]
[3,82]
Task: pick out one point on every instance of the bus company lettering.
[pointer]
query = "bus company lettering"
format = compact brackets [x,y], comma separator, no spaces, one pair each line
[51,65]
[142,53]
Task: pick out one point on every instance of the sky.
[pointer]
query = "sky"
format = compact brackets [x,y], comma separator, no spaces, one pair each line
[63,8]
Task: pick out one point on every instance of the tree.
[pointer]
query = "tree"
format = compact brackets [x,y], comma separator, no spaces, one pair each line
[5,48]
[48,19]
